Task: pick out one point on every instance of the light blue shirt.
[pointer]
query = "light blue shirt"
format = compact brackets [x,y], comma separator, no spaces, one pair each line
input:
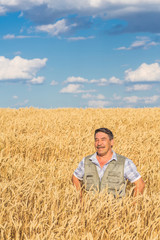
[130,170]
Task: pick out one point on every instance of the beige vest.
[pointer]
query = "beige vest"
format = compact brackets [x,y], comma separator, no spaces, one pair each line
[113,178]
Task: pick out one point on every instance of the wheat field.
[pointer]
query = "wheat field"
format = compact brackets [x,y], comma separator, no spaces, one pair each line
[40,149]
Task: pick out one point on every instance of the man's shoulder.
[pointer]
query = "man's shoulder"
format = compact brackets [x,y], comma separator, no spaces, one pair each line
[90,157]
[127,161]
[120,158]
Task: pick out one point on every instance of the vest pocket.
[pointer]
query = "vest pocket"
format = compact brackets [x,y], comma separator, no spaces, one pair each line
[114,177]
[89,179]
[90,185]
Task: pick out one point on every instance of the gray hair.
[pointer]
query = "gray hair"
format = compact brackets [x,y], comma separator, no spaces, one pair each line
[104,130]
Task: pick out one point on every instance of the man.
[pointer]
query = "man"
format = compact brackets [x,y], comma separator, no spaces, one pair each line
[106,169]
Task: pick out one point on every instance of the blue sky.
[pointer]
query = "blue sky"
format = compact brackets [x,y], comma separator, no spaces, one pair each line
[83,54]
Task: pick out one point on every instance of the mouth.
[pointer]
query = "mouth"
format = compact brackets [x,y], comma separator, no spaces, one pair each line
[99,147]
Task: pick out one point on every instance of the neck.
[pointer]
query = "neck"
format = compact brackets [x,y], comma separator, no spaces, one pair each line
[103,159]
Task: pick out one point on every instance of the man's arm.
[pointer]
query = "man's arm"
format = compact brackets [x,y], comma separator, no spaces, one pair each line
[76,182]
[79,172]
[139,186]
[131,173]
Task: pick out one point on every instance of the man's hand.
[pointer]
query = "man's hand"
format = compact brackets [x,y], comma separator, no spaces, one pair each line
[139,186]
[76,182]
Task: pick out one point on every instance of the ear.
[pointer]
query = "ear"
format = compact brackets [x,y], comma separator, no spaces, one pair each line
[112,142]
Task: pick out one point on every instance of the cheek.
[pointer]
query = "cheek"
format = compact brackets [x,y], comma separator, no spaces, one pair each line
[107,145]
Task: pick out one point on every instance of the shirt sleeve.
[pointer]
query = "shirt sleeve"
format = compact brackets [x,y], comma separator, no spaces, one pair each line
[79,172]
[130,171]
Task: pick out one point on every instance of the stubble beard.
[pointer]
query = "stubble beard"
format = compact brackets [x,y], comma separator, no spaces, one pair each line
[103,153]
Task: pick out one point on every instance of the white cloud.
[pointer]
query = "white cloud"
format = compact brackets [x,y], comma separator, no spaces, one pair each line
[105,82]
[37,80]
[121,48]
[115,80]
[152,99]
[9,36]
[20,68]
[53,83]
[146,100]
[139,87]
[75,88]
[72,88]
[132,99]
[123,6]
[17,53]
[76,80]
[100,82]
[98,103]
[15,97]
[136,13]
[57,28]
[100,96]
[145,73]
[12,36]
[3,10]
[88,95]
[138,43]
[21,104]
[21,15]
[142,42]
[116,97]
[7,5]
[80,38]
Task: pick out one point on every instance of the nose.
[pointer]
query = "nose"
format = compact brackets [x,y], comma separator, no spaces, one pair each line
[99,142]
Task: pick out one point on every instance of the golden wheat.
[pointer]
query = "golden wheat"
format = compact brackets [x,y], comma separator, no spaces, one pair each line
[39,150]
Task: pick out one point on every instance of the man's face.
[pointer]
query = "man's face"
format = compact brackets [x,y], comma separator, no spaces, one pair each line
[102,143]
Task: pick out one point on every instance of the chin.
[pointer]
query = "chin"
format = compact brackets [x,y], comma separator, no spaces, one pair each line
[100,153]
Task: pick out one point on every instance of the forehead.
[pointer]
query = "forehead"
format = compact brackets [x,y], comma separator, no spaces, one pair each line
[101,135]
